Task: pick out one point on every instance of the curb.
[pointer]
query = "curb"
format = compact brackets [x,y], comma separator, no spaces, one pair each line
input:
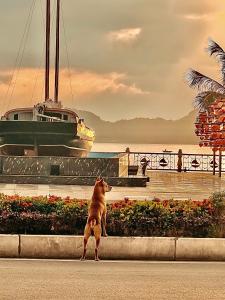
[124,248]
[9,245]
[208,249]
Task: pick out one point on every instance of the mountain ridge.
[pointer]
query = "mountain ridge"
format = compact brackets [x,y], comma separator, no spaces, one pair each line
[142,130]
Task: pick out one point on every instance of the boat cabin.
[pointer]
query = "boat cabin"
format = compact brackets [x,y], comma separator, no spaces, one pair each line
[42,112]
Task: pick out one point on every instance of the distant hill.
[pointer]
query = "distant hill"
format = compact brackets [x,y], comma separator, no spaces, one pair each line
[143,130]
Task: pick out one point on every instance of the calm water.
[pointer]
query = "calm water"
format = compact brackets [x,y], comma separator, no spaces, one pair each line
[108,147]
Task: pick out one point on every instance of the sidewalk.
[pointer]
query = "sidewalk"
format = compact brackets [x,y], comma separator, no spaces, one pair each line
[164,185]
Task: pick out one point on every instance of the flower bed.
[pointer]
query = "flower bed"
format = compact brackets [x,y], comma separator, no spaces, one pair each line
[56,215]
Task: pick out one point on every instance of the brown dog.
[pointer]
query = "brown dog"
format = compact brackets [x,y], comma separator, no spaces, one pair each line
[96,216]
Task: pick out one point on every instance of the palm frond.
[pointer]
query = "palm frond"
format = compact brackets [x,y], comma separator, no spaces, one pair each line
[204,99]
[215,49]
[203,83]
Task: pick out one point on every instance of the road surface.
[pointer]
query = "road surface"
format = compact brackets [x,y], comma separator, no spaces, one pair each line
[60,279]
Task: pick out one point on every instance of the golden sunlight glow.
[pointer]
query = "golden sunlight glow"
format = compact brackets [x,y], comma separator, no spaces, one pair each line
[27,87]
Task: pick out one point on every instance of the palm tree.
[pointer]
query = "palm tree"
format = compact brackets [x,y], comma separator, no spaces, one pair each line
[209,89]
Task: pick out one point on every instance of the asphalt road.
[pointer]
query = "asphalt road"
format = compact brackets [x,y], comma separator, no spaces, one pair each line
[57,279]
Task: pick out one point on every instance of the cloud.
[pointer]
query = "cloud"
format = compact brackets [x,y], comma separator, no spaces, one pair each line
[126,35]
[27,86]
[87,82]
[197,7]
[196,17]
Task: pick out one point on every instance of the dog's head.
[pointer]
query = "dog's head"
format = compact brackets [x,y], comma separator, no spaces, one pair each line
[102,185]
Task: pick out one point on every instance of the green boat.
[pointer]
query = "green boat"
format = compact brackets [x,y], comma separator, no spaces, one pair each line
[47,129]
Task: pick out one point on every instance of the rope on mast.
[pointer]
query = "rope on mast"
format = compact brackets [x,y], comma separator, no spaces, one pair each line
[67,52]
[22,55]
[18,61]
[42,55]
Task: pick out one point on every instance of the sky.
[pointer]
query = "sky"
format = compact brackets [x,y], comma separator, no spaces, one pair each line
[120,59]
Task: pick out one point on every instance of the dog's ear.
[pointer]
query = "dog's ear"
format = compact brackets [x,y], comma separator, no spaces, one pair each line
[101,180]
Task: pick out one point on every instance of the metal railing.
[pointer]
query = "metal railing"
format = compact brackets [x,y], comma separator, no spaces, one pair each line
[169,161]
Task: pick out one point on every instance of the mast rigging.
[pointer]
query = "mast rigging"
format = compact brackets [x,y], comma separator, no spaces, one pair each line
[47,58]
[57,53]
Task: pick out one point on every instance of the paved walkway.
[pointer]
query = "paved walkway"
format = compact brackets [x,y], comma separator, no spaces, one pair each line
[185,185]
[165,185]
[118,280]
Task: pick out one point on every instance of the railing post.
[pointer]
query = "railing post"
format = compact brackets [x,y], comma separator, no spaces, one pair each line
[220,163]
[214,162]
[179,162]
[128,152]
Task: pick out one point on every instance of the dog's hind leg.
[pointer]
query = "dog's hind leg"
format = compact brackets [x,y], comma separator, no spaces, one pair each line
[83,257]
[87,233]
[97,233]
[96,249]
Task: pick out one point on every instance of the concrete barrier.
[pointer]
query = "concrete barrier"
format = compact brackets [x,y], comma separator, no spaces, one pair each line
[144,248]
[50,246]
[9,245]
[200,249]
[132,248]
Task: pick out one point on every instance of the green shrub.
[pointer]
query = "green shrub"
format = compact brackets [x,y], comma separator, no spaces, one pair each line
[56,215]
[218,200]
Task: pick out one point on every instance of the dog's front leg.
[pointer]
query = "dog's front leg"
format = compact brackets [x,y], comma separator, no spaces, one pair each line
[104,224]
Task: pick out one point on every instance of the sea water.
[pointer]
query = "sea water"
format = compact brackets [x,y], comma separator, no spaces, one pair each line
[155,148]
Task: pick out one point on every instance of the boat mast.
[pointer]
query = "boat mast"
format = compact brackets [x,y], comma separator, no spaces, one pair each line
[47,55]
[57,53]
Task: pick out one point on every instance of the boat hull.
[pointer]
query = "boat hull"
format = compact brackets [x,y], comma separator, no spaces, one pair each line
[34,138]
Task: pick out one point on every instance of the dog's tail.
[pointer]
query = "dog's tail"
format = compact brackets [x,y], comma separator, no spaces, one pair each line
[92,223]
